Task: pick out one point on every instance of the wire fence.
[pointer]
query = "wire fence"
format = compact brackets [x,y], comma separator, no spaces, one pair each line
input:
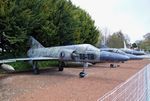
[136,88]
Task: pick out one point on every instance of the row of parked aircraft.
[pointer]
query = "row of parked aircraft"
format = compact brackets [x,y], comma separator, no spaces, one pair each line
[84,53]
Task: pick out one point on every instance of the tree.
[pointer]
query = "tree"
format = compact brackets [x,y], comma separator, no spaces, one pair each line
[16,20]
[51,22]
[66,24]
[116,40]
[134,45]
[85,31]
[145,44]
[147,36]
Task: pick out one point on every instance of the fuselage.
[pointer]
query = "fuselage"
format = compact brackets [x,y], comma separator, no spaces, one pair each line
[80,52]
[134,52]
[114,50]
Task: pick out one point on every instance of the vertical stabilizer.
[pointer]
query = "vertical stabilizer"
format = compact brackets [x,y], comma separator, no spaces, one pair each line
[125,46]
[34,43]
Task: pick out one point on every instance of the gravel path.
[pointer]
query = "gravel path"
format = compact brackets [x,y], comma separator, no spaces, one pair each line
[52,85]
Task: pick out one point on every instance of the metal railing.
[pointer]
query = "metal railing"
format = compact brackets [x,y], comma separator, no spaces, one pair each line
[136,88]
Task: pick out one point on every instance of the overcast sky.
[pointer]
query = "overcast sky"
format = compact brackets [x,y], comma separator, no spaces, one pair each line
[132,17]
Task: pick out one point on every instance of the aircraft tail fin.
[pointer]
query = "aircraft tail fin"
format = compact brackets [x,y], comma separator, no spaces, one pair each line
[125,46]
[34,43]
[103,46]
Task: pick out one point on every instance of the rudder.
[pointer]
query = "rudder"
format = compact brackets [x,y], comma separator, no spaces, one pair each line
[34,43]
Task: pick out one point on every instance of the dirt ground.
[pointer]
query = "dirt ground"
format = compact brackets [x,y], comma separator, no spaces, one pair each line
[52,85]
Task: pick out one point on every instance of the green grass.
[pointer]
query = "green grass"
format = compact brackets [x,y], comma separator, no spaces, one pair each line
[45,64]
[21,66]
[25,66]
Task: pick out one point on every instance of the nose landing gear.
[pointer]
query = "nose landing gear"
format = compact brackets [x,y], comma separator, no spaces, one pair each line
[83,74]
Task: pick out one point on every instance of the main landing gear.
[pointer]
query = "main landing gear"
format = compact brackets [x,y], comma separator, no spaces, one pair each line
[61,66]
[83,74]
[114,65]
[35,68]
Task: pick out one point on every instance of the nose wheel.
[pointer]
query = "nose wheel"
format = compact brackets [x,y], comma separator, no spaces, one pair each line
[83,74]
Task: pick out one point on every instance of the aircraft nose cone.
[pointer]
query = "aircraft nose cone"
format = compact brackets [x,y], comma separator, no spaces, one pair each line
[120,57]
[108,56]
[134,57]
[125,58]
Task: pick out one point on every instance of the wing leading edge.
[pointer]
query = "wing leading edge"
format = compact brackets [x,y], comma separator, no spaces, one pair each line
[27,59]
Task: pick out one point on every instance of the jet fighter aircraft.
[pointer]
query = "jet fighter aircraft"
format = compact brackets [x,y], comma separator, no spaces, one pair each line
[115,50]
[77,53]
[131,51]
[132,54]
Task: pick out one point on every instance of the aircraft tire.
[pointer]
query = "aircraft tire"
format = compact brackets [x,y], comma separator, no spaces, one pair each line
[94,63]
[60,68]
[112,66]
[36,71]
[82,74]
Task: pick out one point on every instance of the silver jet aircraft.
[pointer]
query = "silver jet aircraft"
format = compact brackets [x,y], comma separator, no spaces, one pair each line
[131,51]
[85,53]
[115,50]
[132,54]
